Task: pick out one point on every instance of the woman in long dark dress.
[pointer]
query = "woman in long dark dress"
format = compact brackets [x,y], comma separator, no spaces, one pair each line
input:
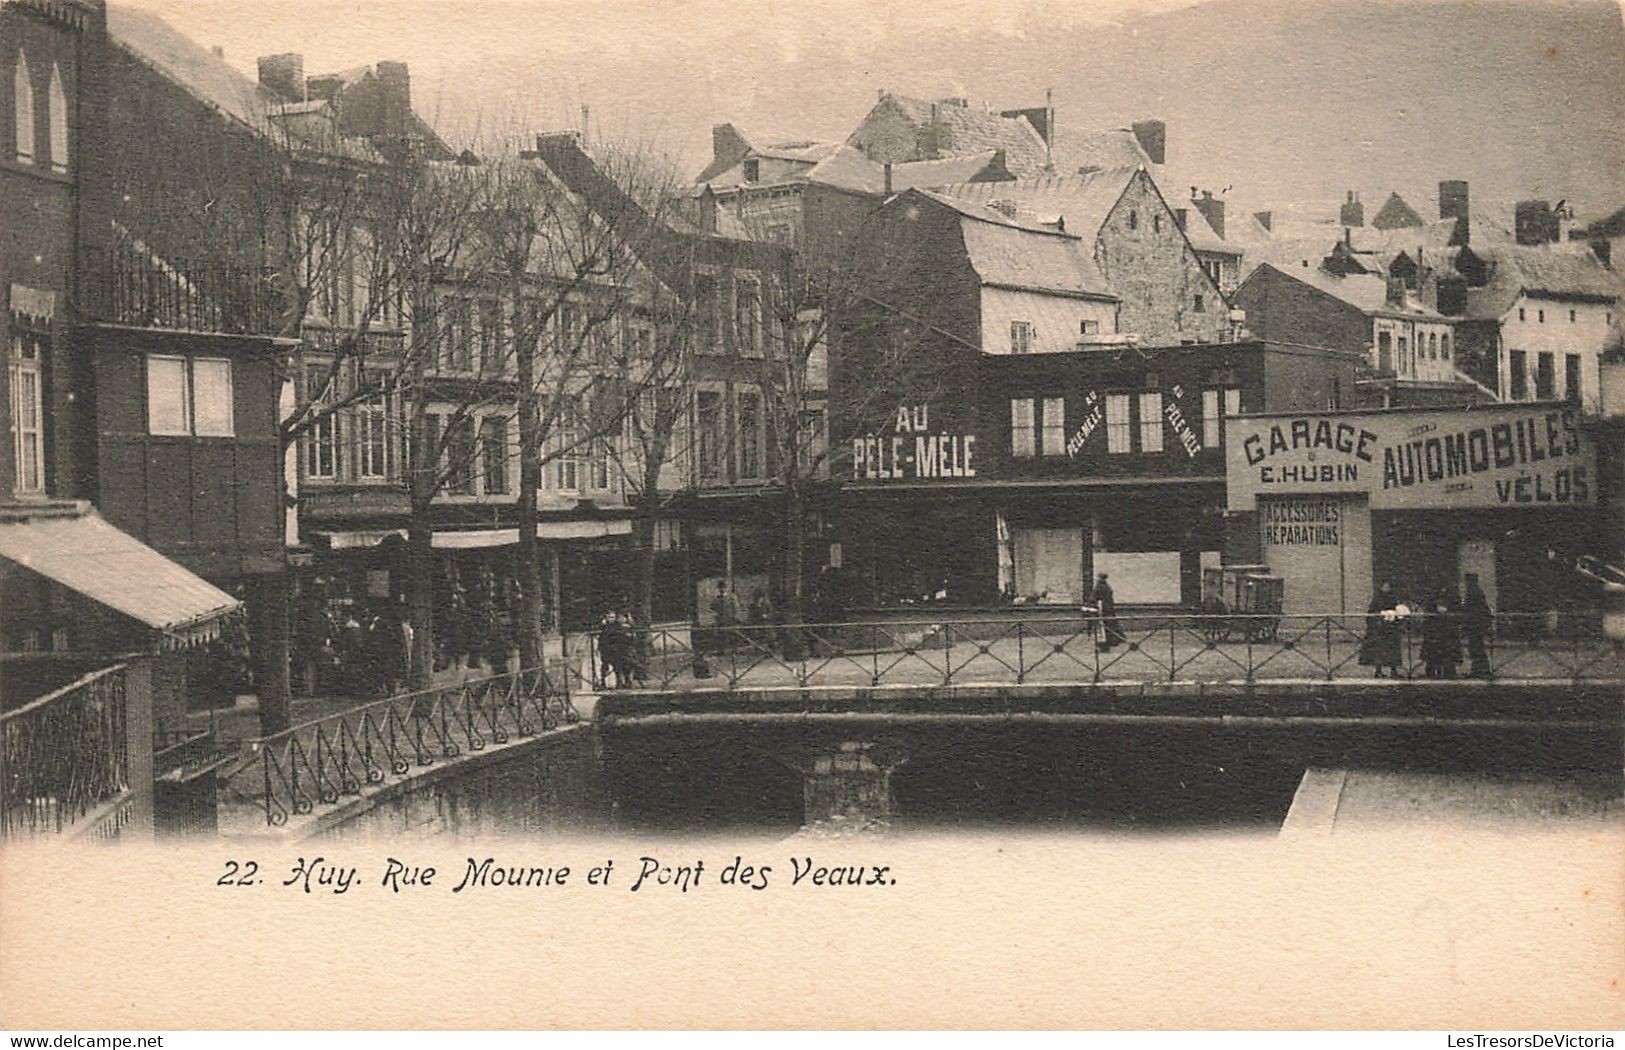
[1111,629]
[1380,647]
[1441,639]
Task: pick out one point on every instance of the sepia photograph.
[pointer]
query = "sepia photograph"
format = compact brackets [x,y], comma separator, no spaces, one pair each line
[1099,514]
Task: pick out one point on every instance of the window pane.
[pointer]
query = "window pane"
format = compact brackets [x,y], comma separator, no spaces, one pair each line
[167,408]
[1117,424]
[1021,426]
[494,449]
[709,413]
[211,383]
[750,435]
[1054,435]
[1151,422]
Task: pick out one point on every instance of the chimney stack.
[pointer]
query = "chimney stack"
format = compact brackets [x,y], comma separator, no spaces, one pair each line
[1265,219]
[1212,209]
[728,147]
[1152,136]
[284,76]
[1353,212]
[1454,204]
[1534,222]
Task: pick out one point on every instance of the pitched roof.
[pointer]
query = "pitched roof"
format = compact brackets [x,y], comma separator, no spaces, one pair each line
[1083,201]
[1011,254]
[204,75]
[1395,212]
[974,130]
[1365,292]
[1117,148]
[1517,269]
[848,169]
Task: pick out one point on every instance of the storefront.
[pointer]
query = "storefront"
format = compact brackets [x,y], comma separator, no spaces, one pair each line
[1337,503]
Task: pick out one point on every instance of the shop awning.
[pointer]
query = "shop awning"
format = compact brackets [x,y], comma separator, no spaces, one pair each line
[72,545]
[476,539]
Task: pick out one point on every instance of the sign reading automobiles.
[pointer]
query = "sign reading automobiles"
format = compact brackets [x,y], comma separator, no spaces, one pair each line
[1532,455]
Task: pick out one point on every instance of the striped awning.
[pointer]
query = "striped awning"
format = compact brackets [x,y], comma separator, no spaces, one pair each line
[70,544]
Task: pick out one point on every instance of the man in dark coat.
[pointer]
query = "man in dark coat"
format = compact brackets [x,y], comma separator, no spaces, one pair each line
[1111,630]
[1441,642]
[1475,626]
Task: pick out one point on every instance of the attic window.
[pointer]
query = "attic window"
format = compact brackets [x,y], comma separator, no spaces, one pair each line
[1133,220]
[1156,222]
[753,170]
[1021,337]
[1201,303]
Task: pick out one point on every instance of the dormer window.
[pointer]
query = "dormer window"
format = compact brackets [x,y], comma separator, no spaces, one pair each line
[753,170]
[22,95]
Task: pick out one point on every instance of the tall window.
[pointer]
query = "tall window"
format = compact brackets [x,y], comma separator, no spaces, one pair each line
[494,455]
[1433,346]
[22,94]
[459,456]
[1021,337]
[30,335]
[750,434]
[708,416]
[707,311]
[321,437]
[56,103]
[1571,377]
[566,445]
[1406,365]
[490,336]
[748,315]
[1545,377]
[1444,346]
[189,396]
[1118,432]
[1151,421]
[1216,405]
[1200,305]
[1022,425]
[1385,352]
[371,439]
[1517,375]
[1054,428]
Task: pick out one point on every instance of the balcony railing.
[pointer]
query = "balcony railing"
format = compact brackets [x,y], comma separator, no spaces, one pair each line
[141,288]
[1082,649]
[66,756]
[325,760]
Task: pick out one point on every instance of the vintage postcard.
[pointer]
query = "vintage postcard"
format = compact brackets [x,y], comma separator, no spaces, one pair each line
[525,514]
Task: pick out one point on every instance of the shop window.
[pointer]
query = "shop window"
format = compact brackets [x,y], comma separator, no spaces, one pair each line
[1118,431]
[708,416]
[494,455]
[1021,337]
[56,109]
[1517,375]
[189,396]
[1545,376]
[1571,377]
[22,95]
[749,413]
[1054,431]
[1022,424]
[1151,421]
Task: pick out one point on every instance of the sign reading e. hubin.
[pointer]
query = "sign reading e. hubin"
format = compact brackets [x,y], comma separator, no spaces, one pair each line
[1532,455]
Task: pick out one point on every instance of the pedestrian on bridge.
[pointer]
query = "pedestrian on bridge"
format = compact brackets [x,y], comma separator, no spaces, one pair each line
[1380,646]
[1111,629]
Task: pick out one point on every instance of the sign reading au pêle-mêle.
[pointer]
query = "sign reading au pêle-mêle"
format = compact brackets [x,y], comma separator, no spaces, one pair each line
[913,451]
[1502,456]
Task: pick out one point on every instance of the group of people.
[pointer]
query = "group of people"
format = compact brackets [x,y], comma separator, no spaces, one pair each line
[620,652]
[1445,623]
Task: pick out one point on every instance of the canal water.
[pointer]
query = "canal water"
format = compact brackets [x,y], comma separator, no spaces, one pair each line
[1122,778]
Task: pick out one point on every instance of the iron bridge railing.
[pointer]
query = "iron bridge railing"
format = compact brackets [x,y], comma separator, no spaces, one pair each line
[1064,649]
[64,755]
[326,759]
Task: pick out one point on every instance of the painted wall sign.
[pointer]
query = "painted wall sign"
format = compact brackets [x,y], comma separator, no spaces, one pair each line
[1176,422]
[1093,415]
[913,452]
[1505,456]
[1300,522]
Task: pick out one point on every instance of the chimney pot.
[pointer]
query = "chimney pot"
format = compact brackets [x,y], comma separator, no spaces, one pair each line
[283,75]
